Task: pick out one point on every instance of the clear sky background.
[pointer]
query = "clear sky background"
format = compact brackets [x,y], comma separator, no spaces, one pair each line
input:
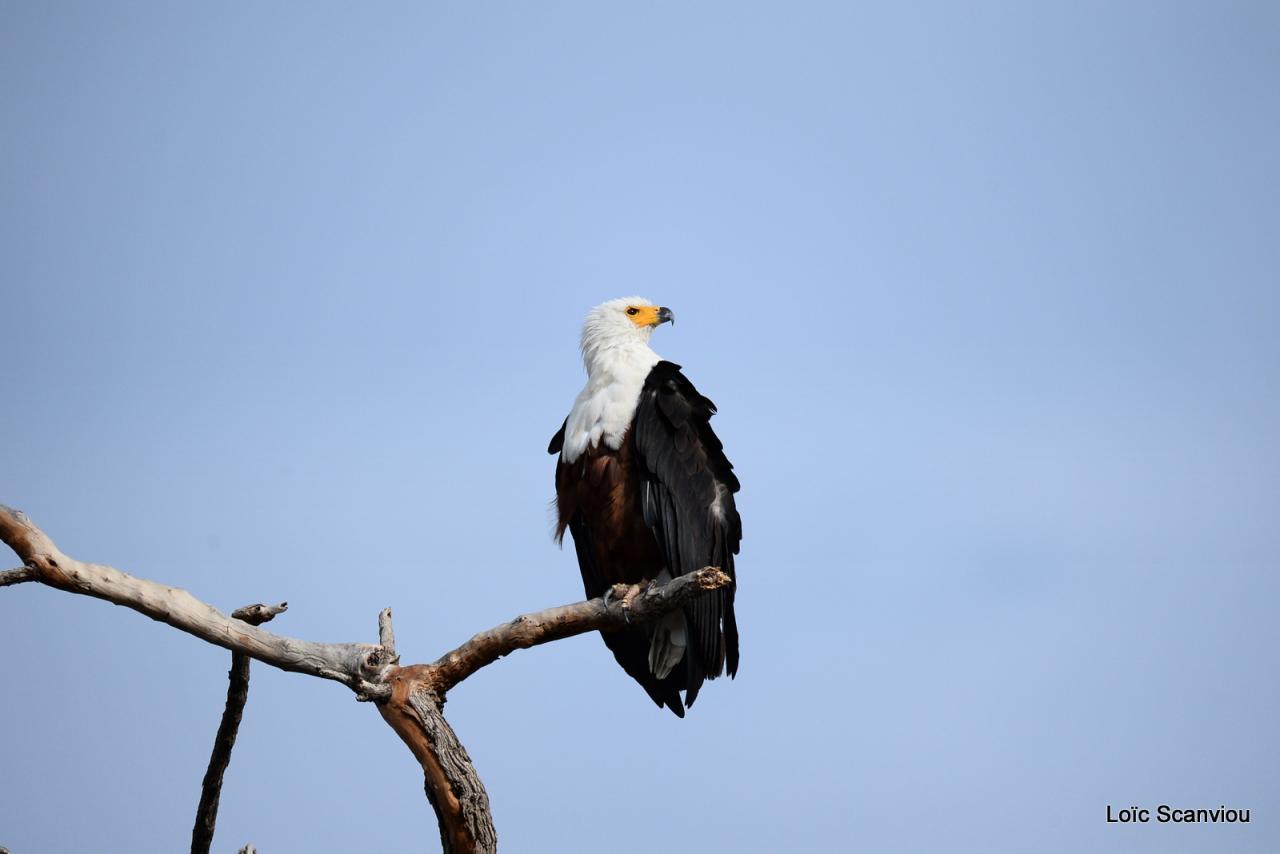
[987,295]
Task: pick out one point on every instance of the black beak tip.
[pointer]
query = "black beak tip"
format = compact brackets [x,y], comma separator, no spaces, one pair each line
[666,315]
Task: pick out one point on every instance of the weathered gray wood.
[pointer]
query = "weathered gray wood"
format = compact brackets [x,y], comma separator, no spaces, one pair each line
[409,698]
[228,728]
[256,615]
[386,632]
[453,787]
[342,662]
[16,576]
[626,606]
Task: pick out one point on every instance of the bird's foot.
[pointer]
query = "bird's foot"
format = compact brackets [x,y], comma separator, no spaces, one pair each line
[617,591]
[624,593]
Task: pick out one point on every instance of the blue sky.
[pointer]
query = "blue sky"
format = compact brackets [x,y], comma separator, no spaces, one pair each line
[986,294]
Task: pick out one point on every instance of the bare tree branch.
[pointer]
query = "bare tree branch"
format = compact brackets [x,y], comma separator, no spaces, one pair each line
[256,615]
[414,710]
[225,740]
[343,662]
[409,698]
[453,787]
[17,576]
[386,632]
[635,606]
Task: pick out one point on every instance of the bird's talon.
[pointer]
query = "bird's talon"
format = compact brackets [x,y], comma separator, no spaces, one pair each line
[618,592]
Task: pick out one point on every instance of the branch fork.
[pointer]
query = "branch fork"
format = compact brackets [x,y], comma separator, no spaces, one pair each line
[409,698]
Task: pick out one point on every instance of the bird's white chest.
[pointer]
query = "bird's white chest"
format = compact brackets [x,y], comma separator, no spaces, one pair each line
[606,406]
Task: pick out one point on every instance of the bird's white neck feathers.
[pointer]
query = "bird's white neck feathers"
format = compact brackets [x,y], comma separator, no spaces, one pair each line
[618,359]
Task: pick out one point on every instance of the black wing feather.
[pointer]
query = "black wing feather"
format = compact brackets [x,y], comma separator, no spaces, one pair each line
[684,472]
[557,441]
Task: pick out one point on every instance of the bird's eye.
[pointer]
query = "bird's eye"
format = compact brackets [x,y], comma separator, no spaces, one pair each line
[633,311]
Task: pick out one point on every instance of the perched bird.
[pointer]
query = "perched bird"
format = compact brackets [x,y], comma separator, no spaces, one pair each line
[645,489]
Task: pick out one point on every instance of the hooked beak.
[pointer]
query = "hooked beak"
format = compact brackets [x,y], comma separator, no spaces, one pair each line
[666,315]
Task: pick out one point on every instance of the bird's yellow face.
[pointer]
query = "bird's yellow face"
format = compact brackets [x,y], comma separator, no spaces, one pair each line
[649,315]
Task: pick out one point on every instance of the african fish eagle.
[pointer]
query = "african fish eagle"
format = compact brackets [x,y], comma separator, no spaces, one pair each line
[645,489]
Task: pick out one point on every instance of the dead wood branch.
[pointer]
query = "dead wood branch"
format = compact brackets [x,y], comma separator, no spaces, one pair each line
[568,620]
[387,634]
[16,576]
[353,664]
[409,698]
[228,728]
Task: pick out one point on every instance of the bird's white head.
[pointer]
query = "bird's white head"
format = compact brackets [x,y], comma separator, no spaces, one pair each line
[615,349]
[620,328]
